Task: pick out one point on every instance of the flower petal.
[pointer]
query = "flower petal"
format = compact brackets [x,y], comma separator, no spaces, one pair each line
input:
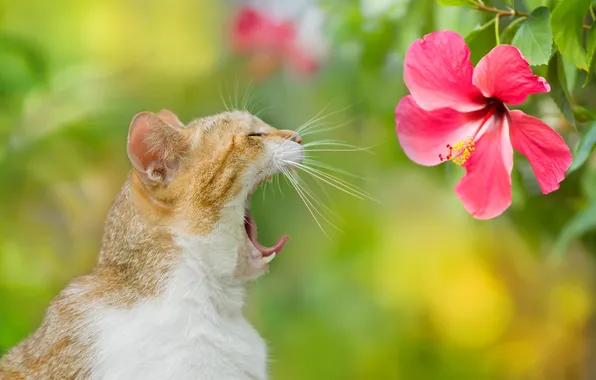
[438,73]
[547,152]
[301,60]
[485,189]
[505,74]
[424,135]
[254,30]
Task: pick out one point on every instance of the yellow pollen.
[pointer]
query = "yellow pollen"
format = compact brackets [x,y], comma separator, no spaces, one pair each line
[459,153]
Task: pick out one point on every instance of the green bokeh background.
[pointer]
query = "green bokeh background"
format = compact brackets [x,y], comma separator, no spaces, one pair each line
[411,288]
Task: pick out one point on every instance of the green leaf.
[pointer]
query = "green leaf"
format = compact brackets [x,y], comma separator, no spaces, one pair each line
[583,114]
[534,37]
[567,25]
[588,182]
[453,3]
[559,89]
[570,73]
[584,148]
[481,41]
[510,31]
[533,4]
[580,223]
[591,53]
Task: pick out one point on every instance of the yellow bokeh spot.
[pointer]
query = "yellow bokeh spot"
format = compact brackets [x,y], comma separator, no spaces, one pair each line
[176,39]
[432,264]
[469,307]
[569,304]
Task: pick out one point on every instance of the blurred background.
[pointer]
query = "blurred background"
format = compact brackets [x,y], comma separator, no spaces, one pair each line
[412,287]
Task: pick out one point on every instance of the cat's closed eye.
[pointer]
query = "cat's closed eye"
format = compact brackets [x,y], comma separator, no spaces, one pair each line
[256,134]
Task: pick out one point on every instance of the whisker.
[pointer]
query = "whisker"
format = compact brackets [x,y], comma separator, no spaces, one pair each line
[230,100]
[279,186]
[335,143]
[329,198]
[225,104]
[308,191]
[236,88]
[340,150]
[246,96]
[263,110]
[335,182]
[332,143]
[305,197]
[311,120]
[311,124]
[287,176]
[263,190]
[313,131]
[311,162]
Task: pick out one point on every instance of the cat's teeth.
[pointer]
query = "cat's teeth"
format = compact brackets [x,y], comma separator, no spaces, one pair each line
[267,259]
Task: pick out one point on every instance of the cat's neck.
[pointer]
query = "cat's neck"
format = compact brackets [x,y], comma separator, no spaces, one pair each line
[150,258]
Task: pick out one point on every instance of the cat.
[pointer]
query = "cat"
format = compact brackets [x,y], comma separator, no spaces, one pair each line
[165,299]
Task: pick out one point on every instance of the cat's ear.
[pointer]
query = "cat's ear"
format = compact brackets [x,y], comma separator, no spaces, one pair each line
[170,118]
[155,148]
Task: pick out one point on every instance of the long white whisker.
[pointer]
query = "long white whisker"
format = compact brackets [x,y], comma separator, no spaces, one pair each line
[307,190]
[311,120]
[308,197]
[325,144]
[236,88]
[339,182]
[263,110]
[263,190]
[225,104]
[278,185]
[246,96]
[331,143]
[367,150]
[317,118]
[313,131]
[230,100]
[329,198]
[287,175]
[335,182]
[311,162]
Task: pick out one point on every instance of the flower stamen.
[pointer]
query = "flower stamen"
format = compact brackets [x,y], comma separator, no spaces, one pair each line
[459,153]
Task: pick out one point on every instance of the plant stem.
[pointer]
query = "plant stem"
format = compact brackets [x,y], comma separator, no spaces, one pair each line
[497,37]
[512,12]
[501,12]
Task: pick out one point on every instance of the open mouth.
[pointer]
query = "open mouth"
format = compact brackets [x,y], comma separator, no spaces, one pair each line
[250,226]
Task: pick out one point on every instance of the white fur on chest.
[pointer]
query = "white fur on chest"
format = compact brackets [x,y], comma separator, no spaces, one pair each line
[194,330]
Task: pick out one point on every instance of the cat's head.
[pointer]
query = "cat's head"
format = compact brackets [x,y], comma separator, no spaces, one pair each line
[197,179]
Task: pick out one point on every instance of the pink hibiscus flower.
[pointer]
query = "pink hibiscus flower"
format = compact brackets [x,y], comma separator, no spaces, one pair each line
[270,43]
[459,113]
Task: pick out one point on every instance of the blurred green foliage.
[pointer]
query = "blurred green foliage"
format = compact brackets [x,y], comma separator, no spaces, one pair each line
[412,288]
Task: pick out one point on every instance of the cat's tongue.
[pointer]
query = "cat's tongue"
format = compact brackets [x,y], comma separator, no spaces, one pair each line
[250,225]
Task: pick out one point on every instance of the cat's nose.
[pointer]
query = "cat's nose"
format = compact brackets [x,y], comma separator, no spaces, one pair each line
[291,135]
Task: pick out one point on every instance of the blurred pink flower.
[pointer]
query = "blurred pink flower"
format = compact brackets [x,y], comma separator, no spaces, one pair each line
[458,113]
[270,43]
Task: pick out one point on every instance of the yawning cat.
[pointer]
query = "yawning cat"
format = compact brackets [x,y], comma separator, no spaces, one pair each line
[166,296]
